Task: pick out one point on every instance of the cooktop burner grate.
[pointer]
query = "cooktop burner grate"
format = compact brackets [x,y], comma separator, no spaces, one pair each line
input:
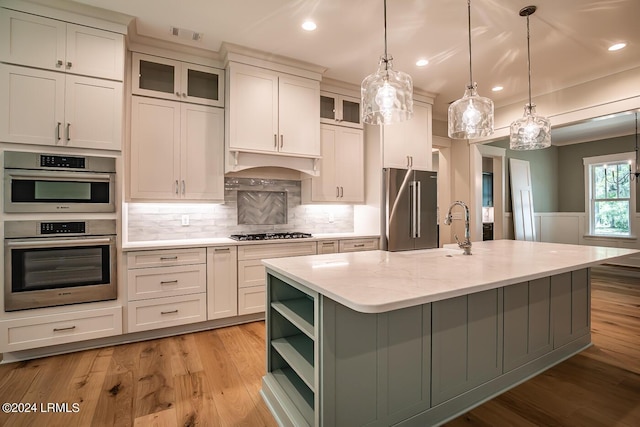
[270,236]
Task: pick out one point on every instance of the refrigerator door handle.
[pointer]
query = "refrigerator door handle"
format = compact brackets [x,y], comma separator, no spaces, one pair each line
[419,208]
[414,208]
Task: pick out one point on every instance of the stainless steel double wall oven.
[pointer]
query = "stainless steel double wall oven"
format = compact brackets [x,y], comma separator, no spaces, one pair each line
[50,261]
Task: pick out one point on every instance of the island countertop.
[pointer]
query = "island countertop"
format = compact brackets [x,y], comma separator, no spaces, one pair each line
[379,281]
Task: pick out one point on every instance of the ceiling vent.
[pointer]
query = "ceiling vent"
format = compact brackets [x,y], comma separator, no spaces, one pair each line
[186,34]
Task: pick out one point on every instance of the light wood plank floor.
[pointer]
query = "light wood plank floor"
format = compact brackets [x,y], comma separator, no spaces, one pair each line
[213,379]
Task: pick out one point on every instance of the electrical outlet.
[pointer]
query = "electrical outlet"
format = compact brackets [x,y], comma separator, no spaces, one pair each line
[331,218]
[185,220]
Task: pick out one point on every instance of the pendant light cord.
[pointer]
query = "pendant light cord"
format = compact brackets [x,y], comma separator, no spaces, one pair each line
[469,21]
[529,62]
[386,57]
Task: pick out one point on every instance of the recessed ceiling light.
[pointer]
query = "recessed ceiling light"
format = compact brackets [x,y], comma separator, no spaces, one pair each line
[422,62]
[617,46]
[497,88]
[309,25]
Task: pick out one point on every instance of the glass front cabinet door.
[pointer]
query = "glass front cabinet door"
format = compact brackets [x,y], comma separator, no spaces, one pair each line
[340,110]
[159,77]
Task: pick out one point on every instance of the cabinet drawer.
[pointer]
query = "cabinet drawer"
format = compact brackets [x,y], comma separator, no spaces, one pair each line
[164,312]
[251,273]
[34,332]
[162,258]
[355,245]
[145,283]
[251,300]
[328,247]
[276,250]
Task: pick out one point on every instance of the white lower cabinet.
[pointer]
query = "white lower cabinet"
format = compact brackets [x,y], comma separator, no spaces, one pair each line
[168,311]
[357,245]
[166,288]
[222,277]
[251,272]
[41,331]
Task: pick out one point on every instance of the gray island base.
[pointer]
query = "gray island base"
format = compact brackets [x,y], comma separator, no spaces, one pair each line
[383,339]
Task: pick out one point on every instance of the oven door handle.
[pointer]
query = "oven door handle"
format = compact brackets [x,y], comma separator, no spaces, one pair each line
[49,243]
[56,175]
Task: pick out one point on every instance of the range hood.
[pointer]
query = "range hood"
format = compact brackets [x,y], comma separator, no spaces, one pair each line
[241,159]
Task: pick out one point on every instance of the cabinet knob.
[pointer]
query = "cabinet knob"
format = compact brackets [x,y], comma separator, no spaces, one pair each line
[69,64]
[178,94]
[184,94]
[59,63]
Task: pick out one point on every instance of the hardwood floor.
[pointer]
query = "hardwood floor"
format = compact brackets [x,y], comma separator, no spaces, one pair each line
[213,378]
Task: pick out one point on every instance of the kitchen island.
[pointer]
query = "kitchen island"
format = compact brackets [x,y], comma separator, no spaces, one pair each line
[417,338]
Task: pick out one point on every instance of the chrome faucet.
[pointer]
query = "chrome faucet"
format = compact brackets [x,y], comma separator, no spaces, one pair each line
[466,244]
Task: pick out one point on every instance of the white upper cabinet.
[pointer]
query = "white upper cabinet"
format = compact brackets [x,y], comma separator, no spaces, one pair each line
[408,144]
[273,113]
[47,108]
[340,110]
[50,44]
[176,151]
[341,168]
[177,81]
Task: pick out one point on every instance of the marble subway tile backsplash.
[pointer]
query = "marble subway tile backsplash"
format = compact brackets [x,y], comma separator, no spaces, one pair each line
[163,221]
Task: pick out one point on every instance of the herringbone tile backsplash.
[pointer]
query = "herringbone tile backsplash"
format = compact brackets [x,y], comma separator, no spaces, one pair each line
[162,221]
[262,207]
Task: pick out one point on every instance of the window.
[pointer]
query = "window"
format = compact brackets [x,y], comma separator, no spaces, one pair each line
[609,190]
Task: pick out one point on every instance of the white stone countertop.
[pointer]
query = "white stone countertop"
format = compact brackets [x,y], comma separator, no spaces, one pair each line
[225,241]
[379,281]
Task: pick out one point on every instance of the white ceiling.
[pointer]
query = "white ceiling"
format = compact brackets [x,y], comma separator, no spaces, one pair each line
[569,38]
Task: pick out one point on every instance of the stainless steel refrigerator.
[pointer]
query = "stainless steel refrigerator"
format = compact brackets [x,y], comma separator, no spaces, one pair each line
[410,219]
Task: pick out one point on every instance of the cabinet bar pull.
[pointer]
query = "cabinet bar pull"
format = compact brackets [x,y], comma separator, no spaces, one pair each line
[223,250]
[168,282]
[70,328]
[327,243]
[341,191]
[281,140]
[275,141]
[169,312]
[177,187]
[164,258]
[359,245]
[58,130]
[408,162]
[411,160]
[184,187]
[337,191]
[68,132]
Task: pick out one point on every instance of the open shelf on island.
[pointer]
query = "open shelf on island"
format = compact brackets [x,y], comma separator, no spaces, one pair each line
[297,351]
[299,312]
[300,395]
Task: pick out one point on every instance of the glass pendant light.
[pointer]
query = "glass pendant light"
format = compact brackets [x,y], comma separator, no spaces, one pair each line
[387,95]
[471,116]
[531,131]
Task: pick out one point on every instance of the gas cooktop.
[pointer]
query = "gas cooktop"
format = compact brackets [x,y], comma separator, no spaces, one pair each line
[270,236]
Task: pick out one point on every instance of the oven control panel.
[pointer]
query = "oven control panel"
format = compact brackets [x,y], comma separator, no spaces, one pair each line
[62,227]
[51,161]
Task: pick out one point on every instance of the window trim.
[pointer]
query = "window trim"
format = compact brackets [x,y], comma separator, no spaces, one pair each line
[609,158]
